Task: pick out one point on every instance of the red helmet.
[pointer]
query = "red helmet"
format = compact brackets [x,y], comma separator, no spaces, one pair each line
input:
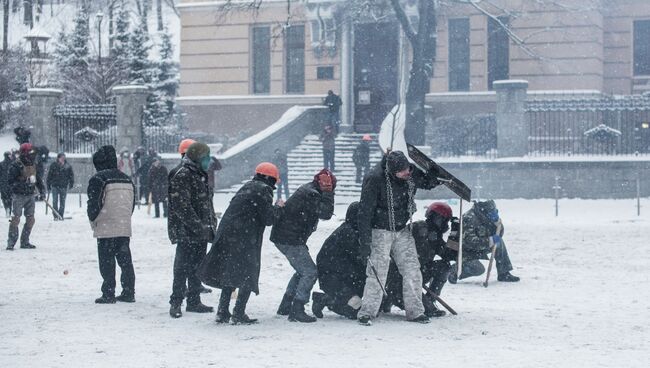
[26,148]
[268,169]
[184,145]
[440,208]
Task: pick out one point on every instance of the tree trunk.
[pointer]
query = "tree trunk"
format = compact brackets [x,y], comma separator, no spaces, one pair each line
[111,7]
[160,15]
[5,26]
[28,14]
[145,14]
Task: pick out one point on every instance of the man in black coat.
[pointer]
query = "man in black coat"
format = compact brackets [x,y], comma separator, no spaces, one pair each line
[159,182]
[341,271]
[60,178]
[387,205]
[5,190]
[429,243]
[297,221]
[361,157]
[280,160]
[191,226]
[235,257]
[333,103]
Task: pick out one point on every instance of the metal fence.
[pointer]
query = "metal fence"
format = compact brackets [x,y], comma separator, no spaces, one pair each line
[85,128]
[589,126]
[162,137]
[457,136]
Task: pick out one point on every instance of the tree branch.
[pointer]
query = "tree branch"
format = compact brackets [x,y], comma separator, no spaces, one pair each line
[404,21]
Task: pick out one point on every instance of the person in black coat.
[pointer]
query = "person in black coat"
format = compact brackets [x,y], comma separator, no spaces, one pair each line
[235,257]
[191,226]
[298,220]
[60,178]
[159,182]
[280,160]
[361,157]
[5,190]
[429,243]
[341,271]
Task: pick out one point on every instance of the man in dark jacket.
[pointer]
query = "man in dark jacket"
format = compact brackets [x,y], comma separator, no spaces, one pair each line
[60,178]
[341,271]
[111,200]
[387,204]
[483,230]
[361,157]
[328,137]
[333,103]
[5,190]
[191,225]
[280,160]
[24,182]
[429,243]
[159,181]
[235,257]
[144,162]
[297,221]
[215,166]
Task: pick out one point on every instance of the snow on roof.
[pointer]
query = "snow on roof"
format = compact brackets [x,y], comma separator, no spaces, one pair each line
[37,32]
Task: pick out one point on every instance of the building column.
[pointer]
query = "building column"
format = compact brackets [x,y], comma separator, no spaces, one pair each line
[42,102]
[130,103]
[512,123]
[347,77]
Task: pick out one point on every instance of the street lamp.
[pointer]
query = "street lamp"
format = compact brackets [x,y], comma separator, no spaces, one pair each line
[99,18]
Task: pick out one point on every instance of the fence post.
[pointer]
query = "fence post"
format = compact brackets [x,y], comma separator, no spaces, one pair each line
[42,102]
[130,102]
[512,125]
[557,189]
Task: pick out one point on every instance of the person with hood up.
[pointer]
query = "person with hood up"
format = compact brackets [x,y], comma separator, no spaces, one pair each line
[341,271]
[159,182]
[386,209]
[235,258]
[111,201]
[25,184]
[298,219]
[191,224]
[60,179]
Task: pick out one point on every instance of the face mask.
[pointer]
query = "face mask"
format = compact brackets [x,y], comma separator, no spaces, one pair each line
[493,215]
[205,163]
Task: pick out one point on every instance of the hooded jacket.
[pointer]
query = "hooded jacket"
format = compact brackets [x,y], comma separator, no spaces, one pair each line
[111,197]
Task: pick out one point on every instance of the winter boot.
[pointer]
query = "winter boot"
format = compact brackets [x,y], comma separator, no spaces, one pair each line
[507,277]
[223,315]
[365,321]
[297,313]
[386,306]
[126,298]
[430,308]
[285,305]
[105,300]
[318,302]
[239,316]
[199,308]
[420,319]
[175,311]
[453,276]
[243,320]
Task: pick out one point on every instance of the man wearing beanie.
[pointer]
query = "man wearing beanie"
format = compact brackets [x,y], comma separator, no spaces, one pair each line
[23,180]
[111,200]
[386,207]
[191,226]
[297,221]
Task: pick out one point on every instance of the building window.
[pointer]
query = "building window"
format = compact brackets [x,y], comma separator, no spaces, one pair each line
[642,47]
[261,59]
[325,72]
[295,59]
[459,54]
[323,31]
[498,51]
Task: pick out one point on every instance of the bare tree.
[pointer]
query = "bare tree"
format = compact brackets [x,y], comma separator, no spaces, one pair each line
[5,26]
[159,15]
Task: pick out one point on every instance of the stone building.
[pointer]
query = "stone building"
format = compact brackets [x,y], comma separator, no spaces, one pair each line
[242,68]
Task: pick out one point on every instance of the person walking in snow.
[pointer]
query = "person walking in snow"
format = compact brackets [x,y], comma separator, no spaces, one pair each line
[191,226]
[111,201]
[483,229]
[25,184]
[341,271]
[429,243]
[387,205]
[328,137]
[297,221]
[361,157]
[235,257]
[159,183]
[280,160]
[60,179]
[5,189]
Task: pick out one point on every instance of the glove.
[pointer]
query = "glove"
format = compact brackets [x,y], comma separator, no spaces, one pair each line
[496,239]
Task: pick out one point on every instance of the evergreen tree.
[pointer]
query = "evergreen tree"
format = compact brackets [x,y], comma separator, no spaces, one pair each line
[140,67]
[119,52]
[165,87]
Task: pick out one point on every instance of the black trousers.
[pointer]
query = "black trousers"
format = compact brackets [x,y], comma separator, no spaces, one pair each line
[362,171]
[156,207]
[240,304]
[109,251]
[328,159]
[189,254]
[474,267]
[339,291]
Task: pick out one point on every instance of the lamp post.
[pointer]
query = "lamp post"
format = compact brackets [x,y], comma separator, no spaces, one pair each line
[99,16]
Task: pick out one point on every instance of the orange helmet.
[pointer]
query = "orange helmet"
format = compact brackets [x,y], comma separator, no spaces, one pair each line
[366,137]
[185,144]
[268,169]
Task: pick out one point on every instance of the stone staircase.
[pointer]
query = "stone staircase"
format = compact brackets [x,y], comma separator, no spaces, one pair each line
[307,159]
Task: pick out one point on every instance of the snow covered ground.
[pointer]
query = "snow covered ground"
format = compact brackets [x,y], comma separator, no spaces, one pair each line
[583,302]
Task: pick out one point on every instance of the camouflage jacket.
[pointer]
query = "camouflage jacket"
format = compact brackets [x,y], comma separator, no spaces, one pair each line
[477,230]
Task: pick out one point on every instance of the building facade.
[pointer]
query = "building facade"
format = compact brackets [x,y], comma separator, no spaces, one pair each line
[274,56]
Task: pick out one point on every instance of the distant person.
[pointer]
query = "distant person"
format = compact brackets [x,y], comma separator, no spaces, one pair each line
[24,183]
[215,165]
[60,179]
[159,184]
[42,157]
[280,160]
[146,160]
[22,135]
[5,190]
[333,103]
[111,201]
[361,158]
[125,163]
[328,137]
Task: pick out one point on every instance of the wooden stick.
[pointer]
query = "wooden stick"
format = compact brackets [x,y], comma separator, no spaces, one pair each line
[487,277]
[439,300]
[459,262]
